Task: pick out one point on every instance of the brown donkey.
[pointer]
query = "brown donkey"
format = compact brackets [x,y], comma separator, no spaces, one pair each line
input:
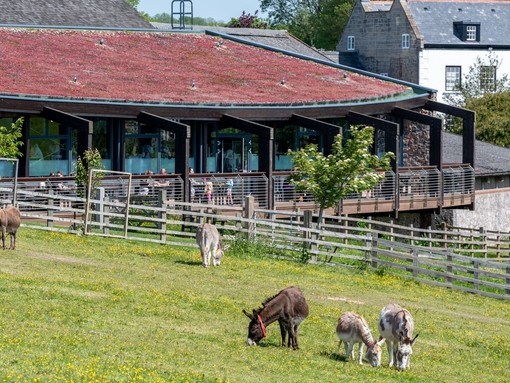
[10,220]
[288,307]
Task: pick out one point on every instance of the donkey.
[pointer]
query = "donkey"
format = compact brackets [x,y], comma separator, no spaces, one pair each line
[288,307]
[396,325]
[210,244]
[351,329]
[10,220]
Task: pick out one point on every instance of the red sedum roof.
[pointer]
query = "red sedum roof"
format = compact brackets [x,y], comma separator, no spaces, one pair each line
[160,67]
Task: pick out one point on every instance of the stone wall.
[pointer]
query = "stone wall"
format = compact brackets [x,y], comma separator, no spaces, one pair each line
[378,41]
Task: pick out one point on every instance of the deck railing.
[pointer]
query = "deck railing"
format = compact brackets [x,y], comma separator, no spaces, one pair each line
[410,189]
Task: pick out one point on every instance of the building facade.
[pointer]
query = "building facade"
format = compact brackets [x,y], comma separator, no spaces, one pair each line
[431,43]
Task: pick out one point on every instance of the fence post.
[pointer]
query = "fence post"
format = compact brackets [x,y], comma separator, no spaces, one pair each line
[51,203]
[483,240]
[373,251]
[100,207]
[249,208]
[449,267]
[162,214]
[106,215]
[445,235]
[308,244]
[507,291]
[476,274]
[416,262]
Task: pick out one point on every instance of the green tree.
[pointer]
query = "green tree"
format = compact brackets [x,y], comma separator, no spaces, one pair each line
[492,118]
[247,21]
[318,23]
[350,168]
[10,139]
[90,159]
[134,3]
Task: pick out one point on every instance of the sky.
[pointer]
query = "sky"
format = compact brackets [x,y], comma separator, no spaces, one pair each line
[219,10]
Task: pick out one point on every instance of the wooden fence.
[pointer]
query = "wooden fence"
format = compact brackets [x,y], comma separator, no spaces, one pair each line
[476,261]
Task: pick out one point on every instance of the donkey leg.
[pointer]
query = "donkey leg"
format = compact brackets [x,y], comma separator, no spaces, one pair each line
[13,240]
[360,353]
[283,332]
[4,233]
[293,334]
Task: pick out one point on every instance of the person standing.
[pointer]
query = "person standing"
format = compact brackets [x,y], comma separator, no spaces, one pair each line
[208,191]
[230,186]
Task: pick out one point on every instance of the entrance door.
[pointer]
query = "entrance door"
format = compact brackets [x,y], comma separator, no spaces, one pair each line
[234,154]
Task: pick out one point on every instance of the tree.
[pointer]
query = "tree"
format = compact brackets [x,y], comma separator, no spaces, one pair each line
[318,23]
[90,159]
[350,168]
[10,139]
[247,21]
[134,3]
[492,118]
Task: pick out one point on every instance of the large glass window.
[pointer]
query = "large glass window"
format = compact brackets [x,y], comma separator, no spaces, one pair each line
[102,141]
[453,78]
[141,148]
[50,148]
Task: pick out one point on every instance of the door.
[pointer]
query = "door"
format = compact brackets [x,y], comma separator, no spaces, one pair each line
[234,154]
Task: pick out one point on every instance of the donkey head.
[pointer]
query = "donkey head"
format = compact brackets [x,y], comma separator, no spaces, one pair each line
[373,354]
[404,351]
[218,253]
[256,328]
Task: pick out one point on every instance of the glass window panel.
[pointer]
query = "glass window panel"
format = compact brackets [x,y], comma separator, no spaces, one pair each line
[453,78]
[37,126]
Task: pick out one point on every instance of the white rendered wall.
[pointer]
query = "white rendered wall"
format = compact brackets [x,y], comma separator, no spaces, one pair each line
[433,64]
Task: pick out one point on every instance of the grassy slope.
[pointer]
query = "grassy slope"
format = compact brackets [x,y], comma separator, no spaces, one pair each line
[92,309]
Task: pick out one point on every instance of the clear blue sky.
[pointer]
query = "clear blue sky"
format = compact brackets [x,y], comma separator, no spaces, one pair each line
[220,10]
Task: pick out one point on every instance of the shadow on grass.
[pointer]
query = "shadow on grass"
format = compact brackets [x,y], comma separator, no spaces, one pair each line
[333,356]
[189,263]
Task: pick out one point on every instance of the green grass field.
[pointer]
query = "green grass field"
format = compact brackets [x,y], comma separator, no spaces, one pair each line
[90,309]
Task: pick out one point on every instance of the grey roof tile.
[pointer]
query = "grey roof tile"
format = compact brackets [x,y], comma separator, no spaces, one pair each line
[435,20]
[489,159]
[279,39]
[72,13]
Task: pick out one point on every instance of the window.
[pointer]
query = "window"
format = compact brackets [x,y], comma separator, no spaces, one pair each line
[351,45]
[488,78]
[471,33]
[453,79]
[467,30]
[406,41]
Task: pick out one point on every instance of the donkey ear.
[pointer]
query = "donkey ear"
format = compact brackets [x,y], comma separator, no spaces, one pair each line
[414,340]
[247,314]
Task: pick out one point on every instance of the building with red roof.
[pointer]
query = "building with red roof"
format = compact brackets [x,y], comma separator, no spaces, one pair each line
[211,101]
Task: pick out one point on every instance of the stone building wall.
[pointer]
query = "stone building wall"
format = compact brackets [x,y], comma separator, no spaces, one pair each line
[378,41]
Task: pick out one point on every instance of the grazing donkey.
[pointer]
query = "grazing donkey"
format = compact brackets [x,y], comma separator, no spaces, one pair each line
[210,244]
[288,307]
[396,325]
[10,220]
[351,329]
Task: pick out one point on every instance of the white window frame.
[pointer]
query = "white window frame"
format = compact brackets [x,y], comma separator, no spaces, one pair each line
[351,43]
[471,31]
[406,40]
[453,78]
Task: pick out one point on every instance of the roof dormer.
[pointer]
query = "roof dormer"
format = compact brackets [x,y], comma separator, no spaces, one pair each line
[468,31]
